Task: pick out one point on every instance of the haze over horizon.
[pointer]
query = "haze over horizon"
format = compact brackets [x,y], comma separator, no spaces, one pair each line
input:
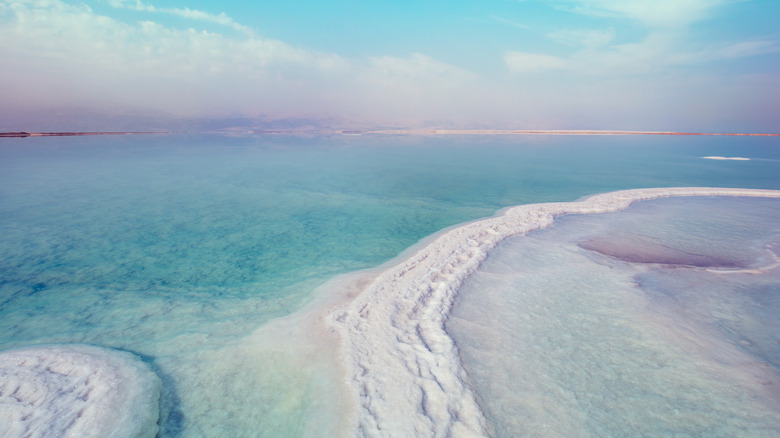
[677,65]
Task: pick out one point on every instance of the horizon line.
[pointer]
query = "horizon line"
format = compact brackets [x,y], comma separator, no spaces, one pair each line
[19,134]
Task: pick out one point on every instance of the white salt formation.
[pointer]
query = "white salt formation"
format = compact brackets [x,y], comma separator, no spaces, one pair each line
[73,390]
[726,158]
[403,366]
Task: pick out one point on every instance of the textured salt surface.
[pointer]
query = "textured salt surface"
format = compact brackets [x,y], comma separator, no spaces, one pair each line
[76,391]
[403,366]
[560,341]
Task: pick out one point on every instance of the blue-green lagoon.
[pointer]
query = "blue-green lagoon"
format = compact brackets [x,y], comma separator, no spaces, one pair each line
[218,261]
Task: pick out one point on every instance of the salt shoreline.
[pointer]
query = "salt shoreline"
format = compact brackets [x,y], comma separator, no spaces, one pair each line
[402,368]
[375,339]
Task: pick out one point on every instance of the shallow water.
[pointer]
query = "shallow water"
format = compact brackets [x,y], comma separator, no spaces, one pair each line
[186,250]
[659,320]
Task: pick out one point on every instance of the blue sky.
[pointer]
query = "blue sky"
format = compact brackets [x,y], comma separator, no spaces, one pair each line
[706,65]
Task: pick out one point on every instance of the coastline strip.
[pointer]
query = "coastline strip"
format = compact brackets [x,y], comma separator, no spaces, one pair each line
[22,134]
[401,364]
[403,132]
[556,132]
[425,131]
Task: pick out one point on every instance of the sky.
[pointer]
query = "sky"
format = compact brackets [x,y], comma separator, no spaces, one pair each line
[684,65]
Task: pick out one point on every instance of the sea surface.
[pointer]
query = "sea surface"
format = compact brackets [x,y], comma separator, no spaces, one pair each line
[206,255]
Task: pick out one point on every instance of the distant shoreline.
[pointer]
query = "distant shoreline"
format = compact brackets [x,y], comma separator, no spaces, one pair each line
[22,134]
[399,132]
[547,132]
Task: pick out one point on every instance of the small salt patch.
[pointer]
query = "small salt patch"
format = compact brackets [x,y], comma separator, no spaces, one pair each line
[77,390]
[714,157]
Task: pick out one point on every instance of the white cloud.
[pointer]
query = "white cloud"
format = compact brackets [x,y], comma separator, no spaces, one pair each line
[63,54]
[522,62]
[654,13]
[651,54]
[661,50]
[746,48]
[67,54]
[192,14]
[665,44]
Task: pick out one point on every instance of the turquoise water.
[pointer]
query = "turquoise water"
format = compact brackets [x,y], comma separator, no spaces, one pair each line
[184,249]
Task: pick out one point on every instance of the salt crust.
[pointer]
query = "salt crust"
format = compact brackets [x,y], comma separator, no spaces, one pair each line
[402,366]
[75,390]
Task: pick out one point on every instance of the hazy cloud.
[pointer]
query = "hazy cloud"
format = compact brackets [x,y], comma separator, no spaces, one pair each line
[665,43]
[651,54]
[66,54]
[188,13]
[415,68]
[521,62]
[512,23]
[655,13]
[587,38]
[746,48]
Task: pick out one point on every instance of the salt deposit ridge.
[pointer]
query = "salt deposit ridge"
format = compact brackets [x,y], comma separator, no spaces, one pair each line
[403,367]
[76,391]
